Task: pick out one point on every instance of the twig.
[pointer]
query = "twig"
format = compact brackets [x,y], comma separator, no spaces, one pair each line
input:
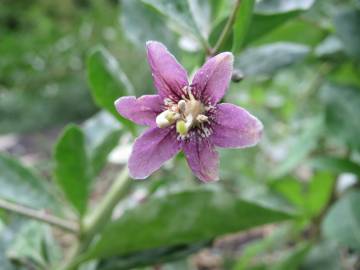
[227,28]
[101,215]
[40,215]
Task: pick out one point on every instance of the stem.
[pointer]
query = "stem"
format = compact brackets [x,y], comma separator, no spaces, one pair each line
[102,213]
[225,32]
[95,222]
[40,215]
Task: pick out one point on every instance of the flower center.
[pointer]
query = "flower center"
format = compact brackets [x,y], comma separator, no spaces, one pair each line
[186,114]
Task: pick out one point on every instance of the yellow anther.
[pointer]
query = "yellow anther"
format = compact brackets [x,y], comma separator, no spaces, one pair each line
[181,127]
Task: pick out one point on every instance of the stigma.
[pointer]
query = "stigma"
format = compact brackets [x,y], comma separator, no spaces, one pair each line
[187,114]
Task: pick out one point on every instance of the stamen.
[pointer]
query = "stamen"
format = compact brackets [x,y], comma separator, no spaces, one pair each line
[181,127]
[202,118]
[182,106]
[166,118]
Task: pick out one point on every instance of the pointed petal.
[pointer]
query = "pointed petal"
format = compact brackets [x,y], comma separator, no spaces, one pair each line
[212,79]
[151,150]
[169,76]
[142,110]
[234,127]
[202,159]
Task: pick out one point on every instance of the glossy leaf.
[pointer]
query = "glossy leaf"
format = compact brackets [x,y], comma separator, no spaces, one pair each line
[267,59]
[20,185]
[346,210]
[107,81]
[241,24]
[72,171]
[141,23]
[179,13]
[182,218]
[271,14]
[282,6]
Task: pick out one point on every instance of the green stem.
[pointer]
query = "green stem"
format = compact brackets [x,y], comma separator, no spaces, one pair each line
[96,221]
[102,214]
[39,215]
[225,32]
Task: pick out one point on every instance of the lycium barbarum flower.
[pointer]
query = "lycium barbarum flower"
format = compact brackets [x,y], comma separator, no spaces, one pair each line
[187,117]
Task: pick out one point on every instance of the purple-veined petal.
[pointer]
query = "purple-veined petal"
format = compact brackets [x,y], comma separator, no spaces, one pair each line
[169,76]
[212,79]
[202,158]
[234,127]
[151,150]
[142,110]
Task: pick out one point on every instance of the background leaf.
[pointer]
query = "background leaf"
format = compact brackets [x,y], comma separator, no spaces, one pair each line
[182,218]
[20,185]
[346,232]
[141,23]
[107,81]
[241,24]
[342,103]
[72,172]
[102,133]
[267,59]
[347,24]
[150,257]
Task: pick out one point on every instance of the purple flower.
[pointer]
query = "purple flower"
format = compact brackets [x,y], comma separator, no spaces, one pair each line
[187,117]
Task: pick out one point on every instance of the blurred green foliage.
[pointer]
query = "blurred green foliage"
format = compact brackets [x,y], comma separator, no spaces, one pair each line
[301,69]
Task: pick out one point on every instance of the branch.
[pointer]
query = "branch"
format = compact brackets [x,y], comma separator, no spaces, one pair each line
[39,215]
[227,28]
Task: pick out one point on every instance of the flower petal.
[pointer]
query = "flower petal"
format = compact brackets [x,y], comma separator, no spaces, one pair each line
[142,110]
[234,127]
[212,79]
[202,159]
[151,150]
[169,76]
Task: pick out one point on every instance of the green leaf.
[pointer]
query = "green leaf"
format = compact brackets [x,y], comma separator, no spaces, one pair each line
[336,165]
[180,13]
[272,13]
[342,104]
[268,59]
[302,145]
[107,81]
[141,23]
[241,24]
[319,192]
[102,135]
[310,197]
[347,24]
[289,32]
[282,6]
[293,259]
[342,223]
[72,171]
[151,257]
[324,255]
[291,188]
[34,245]
[20,185]
[182,218]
